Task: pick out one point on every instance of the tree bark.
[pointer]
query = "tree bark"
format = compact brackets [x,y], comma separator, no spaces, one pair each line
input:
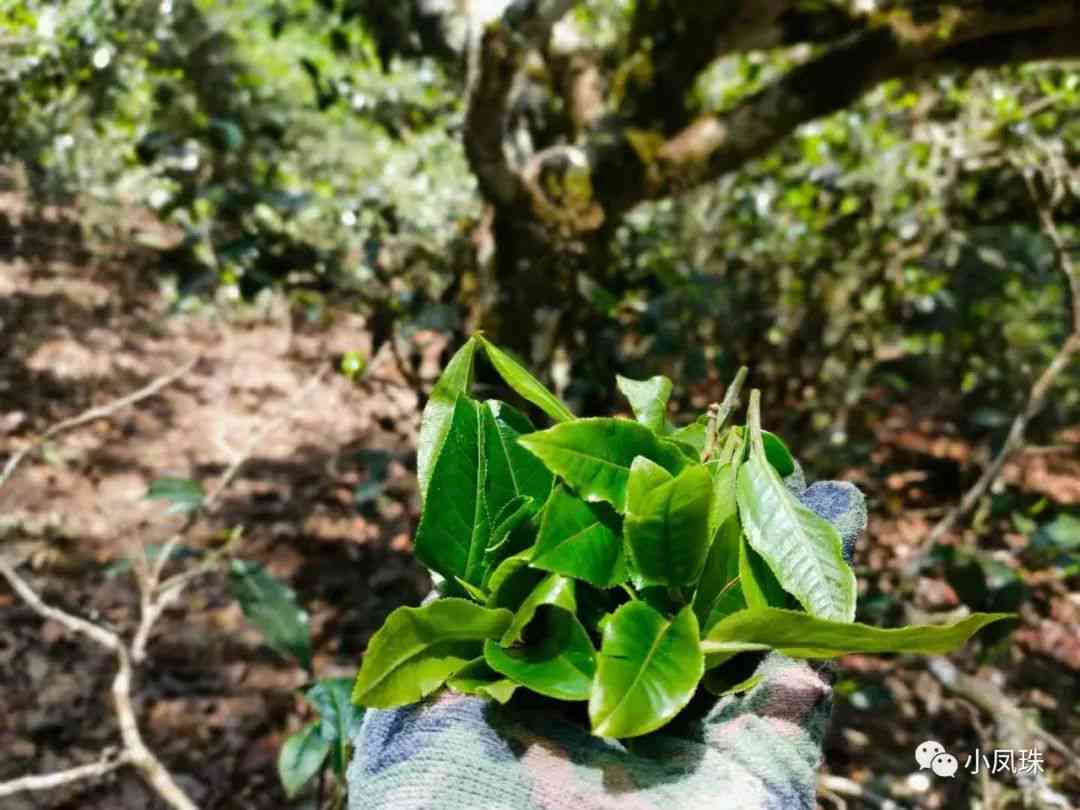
[555,209]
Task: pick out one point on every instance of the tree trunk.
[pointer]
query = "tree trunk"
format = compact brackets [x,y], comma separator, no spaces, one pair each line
[538,306]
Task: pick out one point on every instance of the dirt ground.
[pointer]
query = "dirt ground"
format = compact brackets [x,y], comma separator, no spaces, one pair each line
[81,326]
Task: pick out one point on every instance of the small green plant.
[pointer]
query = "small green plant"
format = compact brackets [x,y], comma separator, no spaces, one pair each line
[272,608]
[616,561]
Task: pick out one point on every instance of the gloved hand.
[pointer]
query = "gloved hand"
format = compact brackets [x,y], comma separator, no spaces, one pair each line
[759,751]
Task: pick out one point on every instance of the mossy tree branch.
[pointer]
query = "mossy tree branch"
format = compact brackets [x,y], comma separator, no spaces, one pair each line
[651,143]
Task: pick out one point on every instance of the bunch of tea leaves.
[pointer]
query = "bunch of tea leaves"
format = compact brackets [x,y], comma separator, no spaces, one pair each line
[612,560]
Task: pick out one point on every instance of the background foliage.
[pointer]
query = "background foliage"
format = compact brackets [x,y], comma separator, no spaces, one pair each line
[316,146]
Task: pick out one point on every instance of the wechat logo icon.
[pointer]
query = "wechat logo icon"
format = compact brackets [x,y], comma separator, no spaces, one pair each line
[933,755]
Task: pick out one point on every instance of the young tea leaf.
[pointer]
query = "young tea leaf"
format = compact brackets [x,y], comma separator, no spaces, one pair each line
[692,435]
[417,649]
[645,476]
[438,413]
[455,526]
[803,550]
[718,590]
[594,455]
[580,540]
[648,399]
[524,383]
[801,635]
[667,530]
[760,587]
[552,590]
[512,581]
[301,757]
[647,670]
[183,495]
[271,606]
[723,504]
[477,593]
[477,678]
[560,665]
[513,532]
[512,471]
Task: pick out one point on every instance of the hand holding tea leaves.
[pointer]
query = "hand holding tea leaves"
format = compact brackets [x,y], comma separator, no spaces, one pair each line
[625,566]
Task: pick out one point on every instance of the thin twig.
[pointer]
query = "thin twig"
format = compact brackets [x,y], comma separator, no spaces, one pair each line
[135,751]
[109,762]
[853,790]
[157,595]
[256,437]
[1014,727]
[99,635]
[718,414]
[99,412]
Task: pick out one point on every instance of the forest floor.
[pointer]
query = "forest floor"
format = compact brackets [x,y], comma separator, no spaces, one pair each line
[81,326]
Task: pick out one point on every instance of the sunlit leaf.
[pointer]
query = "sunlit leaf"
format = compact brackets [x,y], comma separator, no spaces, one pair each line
[455,526]
[803,550]
[477,678]
[647,670]
[718,589]
[551,590]
[524,383]
[438,413]
[580,540]
[594,455]
[801,635]
[417,649]
[648,399]
[560,665]
[667,529]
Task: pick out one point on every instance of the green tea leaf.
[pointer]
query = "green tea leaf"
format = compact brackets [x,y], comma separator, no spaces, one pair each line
[800,635]
[552,590]
[723,504]
[512,471]
[648,399]
[512,533]
[667,530]
[454,526]
[718,589]
[594,455]
[802,549]
[301,757]
[417,649]
[647,670]
[478,594]
[512,581]
[183,494]
[561,665]
[477,678]
[645,476]
[759,585]
[271,606]
[525,384]
[580,540]
[778,454]
[692,435]
[438,413]
[338,717]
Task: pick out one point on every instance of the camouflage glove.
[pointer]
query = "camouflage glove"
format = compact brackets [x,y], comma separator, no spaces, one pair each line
[759,751]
